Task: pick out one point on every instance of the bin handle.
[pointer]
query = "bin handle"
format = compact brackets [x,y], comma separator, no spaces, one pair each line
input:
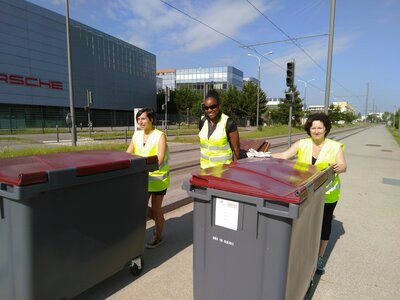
[291,211]
[191,190]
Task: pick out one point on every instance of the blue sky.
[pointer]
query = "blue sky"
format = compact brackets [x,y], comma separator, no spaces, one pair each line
[366,40]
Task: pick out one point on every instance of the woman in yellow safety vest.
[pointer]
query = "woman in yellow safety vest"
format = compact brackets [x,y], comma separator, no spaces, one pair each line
[219,136]
[321,151]
[148,142]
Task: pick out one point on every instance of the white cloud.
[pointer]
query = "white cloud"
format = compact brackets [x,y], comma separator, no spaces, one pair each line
[153,22]
[317,50]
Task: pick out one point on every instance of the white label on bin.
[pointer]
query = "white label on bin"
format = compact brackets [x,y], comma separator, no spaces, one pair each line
[226,213]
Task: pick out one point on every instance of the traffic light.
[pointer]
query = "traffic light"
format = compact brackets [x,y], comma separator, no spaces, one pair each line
[289,97]
[290,74]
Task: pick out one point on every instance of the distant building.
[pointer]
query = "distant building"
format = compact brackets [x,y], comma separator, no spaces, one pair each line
[168,78]
[252,79]
[272,103]
[344,106]
[316,108]
[202,79]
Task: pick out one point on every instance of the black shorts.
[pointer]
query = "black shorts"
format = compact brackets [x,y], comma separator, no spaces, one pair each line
[327,220]
[163,192]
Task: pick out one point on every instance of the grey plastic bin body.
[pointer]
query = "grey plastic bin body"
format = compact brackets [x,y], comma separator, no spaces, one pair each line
[257,226]
[63,230]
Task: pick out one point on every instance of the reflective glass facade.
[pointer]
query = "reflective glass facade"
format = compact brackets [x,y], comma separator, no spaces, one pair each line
[34,71]
[204,77]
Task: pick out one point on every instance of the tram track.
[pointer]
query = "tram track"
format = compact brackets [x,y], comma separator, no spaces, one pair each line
[277,143]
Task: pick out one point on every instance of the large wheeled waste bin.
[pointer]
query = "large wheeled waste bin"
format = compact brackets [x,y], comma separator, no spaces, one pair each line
[69,221]
[257,226]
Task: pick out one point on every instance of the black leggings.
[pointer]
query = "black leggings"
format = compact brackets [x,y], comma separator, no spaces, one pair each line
[327,220]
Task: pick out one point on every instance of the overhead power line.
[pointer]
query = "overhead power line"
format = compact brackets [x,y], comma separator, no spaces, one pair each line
[201,22]
[283,41]
[294,41]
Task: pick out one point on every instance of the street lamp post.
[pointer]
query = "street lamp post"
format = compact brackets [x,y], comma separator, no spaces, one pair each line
[71,90]
[305,90]
[394,116]
[326,108]
[258,84]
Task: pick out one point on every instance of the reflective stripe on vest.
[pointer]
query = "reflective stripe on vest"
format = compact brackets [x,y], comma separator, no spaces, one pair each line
[159,179]
[208,147]
[216,149]
[326,157]
[215,158]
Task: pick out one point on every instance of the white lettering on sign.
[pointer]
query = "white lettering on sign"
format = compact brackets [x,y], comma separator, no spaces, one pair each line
[217,239]
[226,213]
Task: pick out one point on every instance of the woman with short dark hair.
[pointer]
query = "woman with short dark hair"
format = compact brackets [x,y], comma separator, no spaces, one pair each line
[321,151]
[148,142]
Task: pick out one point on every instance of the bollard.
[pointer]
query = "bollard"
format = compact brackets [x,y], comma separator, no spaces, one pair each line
[126,136]
[58,137]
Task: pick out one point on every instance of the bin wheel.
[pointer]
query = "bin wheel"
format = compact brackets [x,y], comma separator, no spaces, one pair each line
[310,286]
[136,266]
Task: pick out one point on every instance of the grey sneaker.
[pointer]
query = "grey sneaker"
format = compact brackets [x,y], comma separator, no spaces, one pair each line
[320,265]
[155,242]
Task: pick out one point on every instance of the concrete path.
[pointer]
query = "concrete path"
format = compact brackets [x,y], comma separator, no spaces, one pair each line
[363,257]
[364,251]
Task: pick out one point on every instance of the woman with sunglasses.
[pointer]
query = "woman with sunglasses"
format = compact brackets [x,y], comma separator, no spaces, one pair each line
[219,136]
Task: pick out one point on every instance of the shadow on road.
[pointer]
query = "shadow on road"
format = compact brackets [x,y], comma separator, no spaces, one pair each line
[178,235]
[337,231]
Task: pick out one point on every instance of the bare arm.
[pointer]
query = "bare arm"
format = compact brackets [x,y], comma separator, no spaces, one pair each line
[340,166]
[162,147]
[289,153]
[234,140]
[131,147]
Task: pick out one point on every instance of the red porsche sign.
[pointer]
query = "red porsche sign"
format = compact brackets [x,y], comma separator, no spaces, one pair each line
[31,81]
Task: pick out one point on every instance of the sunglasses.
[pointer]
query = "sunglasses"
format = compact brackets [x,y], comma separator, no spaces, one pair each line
[212,107]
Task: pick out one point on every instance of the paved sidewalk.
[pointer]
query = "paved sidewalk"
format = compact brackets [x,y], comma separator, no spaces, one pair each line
[363,254]
[364,251]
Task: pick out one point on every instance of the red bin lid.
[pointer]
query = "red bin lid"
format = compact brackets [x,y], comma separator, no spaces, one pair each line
[25,170]
[267,178]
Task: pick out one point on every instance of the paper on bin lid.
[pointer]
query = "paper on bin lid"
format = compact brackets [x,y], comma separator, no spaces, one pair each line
[254,153]
[274,179]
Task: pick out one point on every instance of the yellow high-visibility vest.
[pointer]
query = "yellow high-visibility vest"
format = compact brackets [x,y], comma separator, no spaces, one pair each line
[326,157]
[215,150]
[160,179]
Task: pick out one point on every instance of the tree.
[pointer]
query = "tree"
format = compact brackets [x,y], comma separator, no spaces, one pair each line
[230,100]
[187,98]
[248,105]
[282,114]
[334,113]
[348,116]
[161,101]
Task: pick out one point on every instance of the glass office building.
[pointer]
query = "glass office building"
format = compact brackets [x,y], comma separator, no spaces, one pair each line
[34,87]
[203,78]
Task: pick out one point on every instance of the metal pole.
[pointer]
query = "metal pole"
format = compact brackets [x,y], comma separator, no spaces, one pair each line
[88,106]
[394,116]
[290,125]
[166,113]
[258,90]
[330,50]
[366,103]
[187,116]
[71,93]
